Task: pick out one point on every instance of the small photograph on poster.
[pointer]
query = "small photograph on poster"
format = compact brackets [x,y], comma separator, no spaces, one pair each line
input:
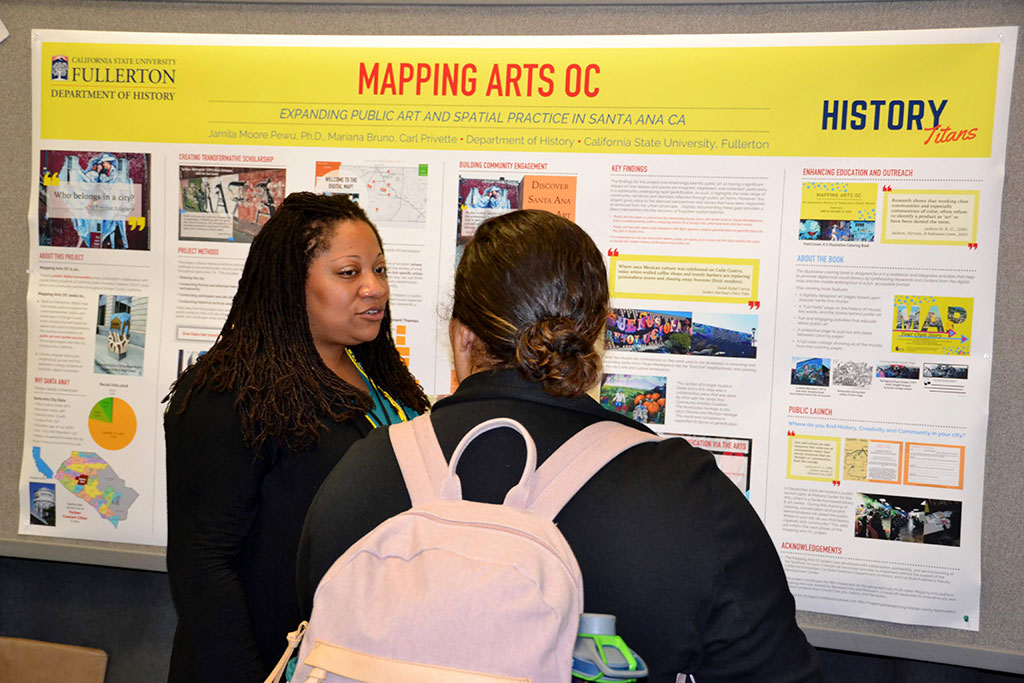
[852,373]
[391,194]
[838,211]
[120,334]
[187,358]
[481,198]
[42,503]
[887,370]
[939,325]
[727,335]
[94,199]
[811,372]
[912,520]
[837,231]
[227,204]
[945,371]
[641,397]
[649,331]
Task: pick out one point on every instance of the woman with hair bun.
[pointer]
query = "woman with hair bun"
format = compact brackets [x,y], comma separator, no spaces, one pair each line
[664,540]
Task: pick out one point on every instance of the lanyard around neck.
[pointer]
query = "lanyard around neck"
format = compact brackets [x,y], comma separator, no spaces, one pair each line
[379,393]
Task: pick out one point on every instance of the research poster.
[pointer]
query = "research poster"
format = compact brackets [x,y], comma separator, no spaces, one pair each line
[801,234]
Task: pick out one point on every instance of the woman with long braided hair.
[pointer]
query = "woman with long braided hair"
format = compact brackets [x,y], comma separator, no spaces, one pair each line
[304,366]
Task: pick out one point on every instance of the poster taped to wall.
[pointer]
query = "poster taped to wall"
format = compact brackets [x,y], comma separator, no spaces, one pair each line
[802,271]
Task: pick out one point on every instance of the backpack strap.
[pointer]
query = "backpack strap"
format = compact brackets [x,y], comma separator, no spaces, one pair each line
[419,457]
[579,459]
[517,496]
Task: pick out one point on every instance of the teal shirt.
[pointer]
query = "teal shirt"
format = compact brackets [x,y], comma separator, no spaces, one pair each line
[384,412]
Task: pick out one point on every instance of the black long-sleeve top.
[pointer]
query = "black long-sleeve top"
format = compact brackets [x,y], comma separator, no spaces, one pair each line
[664,540]
[233,525]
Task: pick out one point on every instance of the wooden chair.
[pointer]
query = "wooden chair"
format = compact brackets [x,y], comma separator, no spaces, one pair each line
[37,661]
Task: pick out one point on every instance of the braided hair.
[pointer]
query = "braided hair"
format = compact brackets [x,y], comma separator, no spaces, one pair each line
[265,351]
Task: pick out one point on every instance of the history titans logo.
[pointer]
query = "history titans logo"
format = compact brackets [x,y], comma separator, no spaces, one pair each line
[59,68]
[919,115]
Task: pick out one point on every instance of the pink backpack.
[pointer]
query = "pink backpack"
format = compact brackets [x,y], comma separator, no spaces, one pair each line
[455,591]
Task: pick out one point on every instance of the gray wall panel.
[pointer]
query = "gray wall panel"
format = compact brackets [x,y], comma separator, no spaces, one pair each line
[998,645]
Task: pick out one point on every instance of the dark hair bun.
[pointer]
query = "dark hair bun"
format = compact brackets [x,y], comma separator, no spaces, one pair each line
[533,288]
[555,354]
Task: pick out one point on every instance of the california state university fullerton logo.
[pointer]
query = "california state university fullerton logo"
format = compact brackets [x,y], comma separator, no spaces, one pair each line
[59,68]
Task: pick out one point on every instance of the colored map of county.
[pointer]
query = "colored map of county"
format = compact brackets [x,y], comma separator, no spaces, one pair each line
[856,460]
[92,479]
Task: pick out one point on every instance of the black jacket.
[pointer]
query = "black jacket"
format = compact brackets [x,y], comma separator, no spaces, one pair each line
[664,540]
[233,524]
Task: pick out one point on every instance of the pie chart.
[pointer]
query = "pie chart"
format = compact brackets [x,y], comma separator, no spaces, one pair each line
[112,423]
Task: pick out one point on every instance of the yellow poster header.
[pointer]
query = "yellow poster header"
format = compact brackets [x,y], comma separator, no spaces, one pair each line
[836,101]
